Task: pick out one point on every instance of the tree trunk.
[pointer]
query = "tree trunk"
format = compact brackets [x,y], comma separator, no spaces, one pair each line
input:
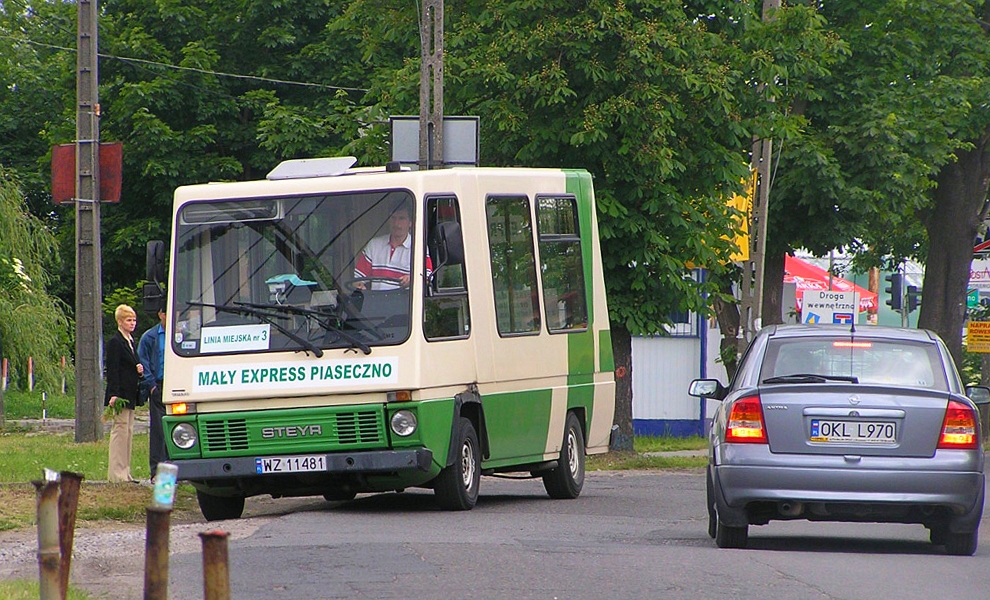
[727,315]
[622,349]
[773,288]
[952,227]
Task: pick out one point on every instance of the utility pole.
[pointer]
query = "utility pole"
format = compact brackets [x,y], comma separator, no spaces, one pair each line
[431,80]
[89,271]
[751,288]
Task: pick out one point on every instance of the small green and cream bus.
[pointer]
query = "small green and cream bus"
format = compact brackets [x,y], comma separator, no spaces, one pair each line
[311,352]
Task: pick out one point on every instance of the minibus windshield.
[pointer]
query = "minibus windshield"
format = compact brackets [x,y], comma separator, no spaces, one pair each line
[300,273]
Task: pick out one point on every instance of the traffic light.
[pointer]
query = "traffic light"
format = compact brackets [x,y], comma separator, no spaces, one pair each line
[894,290]
[913,298]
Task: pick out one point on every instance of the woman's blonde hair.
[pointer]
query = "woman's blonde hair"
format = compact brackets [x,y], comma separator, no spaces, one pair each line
[123,311]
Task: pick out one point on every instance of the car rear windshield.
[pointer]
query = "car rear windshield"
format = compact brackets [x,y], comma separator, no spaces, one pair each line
[880,361]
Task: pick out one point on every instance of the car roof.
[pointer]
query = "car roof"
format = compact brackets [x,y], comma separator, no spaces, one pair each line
[862,331]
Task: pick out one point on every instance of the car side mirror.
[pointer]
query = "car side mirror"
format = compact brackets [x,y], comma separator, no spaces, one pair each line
[979,394]
[706,388]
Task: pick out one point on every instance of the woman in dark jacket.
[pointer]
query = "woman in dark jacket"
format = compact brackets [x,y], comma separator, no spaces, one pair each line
[124,372]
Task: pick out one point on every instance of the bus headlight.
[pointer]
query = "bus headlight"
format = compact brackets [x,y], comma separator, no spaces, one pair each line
[404,423]
[184,435]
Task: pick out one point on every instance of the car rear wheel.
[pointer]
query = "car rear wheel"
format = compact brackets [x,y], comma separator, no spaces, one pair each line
[961,544]
[710,493]
[730,537]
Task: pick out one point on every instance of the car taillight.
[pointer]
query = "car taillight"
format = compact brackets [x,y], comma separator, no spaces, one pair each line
[958,428]
[745,424]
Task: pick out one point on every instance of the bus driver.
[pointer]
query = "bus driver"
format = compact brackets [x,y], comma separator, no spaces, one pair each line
[388,256]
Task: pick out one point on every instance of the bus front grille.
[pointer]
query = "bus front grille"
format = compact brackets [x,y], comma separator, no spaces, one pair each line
[295,430]
[358,427]
[226,435]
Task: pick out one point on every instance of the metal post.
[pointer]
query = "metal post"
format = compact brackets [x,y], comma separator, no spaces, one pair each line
[431,80]
[89,273]
[68,501]
[48,544]
[156,554]
[216,573]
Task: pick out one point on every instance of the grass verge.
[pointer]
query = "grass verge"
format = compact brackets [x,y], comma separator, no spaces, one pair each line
[626,461]
[32,405]
[25,454]
[22,589]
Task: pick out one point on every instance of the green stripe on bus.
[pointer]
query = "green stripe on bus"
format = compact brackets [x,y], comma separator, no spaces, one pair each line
[605,356]
[517,424]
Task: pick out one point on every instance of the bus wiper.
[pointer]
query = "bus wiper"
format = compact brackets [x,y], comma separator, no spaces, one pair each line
[319,317]
[810,378]
[265,317]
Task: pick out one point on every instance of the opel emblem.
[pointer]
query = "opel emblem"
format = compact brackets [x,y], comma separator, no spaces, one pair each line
[854,399]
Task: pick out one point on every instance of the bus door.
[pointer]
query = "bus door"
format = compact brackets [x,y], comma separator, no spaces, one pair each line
[535,320]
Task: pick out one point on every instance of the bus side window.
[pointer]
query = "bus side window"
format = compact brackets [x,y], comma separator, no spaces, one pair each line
[561,263]
[446,314]
[510,236]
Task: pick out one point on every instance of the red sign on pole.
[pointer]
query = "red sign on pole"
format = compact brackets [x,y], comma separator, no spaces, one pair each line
[64,172]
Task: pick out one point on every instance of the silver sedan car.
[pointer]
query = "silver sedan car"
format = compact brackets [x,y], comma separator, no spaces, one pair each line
[841,423]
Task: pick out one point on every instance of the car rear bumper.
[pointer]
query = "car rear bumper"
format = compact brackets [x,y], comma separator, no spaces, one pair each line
[743,484]
[951,481]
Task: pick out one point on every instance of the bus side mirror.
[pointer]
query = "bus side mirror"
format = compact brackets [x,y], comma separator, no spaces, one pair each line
[153,298]
[153,295]
[155,261]
[449,244]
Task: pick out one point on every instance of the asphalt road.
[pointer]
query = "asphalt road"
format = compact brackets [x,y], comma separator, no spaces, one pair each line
[630,535]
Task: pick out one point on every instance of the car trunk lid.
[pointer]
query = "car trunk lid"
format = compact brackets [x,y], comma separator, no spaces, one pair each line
[867,420]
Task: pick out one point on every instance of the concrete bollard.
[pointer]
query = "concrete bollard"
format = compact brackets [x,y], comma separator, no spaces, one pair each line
[216,573]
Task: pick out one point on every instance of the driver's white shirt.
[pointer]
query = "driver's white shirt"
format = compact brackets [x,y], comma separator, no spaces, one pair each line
[380,259]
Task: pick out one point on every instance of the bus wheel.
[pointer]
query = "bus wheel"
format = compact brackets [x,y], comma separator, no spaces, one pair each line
[565,482]
[340,495]
[219,508]
[456,488]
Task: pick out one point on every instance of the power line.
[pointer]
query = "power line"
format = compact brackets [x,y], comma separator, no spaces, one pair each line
[192,69]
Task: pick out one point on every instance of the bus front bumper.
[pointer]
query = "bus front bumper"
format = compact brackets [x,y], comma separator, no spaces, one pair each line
[378,461]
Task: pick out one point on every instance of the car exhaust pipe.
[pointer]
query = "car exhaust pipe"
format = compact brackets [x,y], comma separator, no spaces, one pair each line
[790,509]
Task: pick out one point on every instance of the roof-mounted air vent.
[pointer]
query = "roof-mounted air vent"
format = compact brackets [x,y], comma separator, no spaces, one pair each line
[312,167]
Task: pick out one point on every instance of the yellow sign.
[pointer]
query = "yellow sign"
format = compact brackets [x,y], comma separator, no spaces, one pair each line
[743,204]
[978,336]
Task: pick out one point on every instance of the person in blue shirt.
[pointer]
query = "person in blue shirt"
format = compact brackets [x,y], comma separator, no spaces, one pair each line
[151,351]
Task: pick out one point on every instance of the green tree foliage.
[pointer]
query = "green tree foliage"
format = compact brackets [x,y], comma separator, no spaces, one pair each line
[894,160]
[32,323]
[658,99]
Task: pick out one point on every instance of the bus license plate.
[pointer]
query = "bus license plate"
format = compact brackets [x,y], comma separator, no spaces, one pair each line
[290,464]
[866,432]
